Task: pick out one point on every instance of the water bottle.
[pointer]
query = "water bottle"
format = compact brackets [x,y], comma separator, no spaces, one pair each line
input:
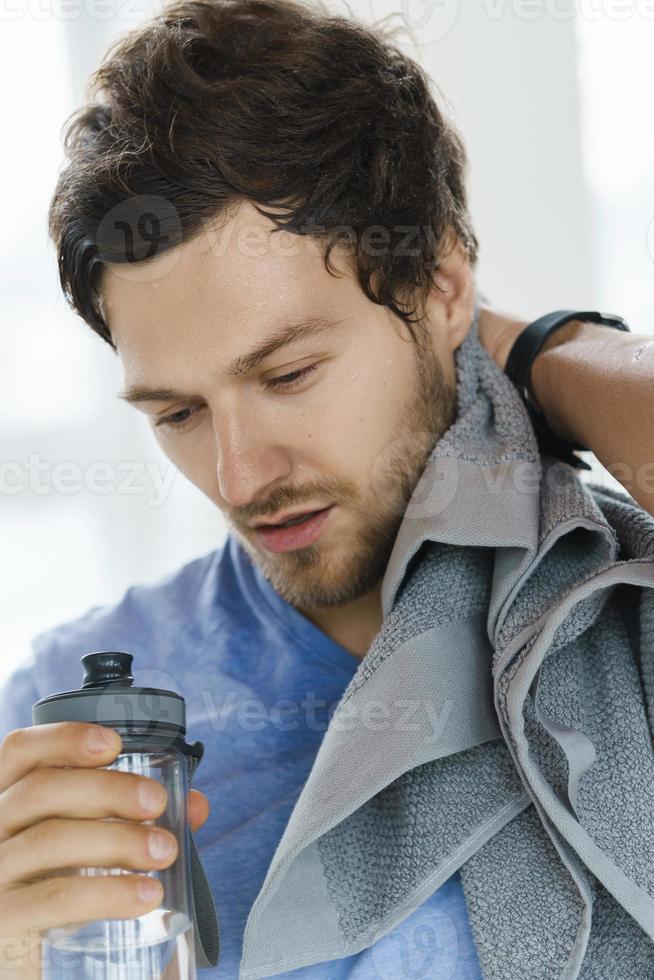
[172,941]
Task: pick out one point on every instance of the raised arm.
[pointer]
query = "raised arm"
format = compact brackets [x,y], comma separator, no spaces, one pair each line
[596,387]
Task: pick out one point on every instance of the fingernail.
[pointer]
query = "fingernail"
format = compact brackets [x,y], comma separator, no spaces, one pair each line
[148,888]
[160,845]
[100,739]
[151,795]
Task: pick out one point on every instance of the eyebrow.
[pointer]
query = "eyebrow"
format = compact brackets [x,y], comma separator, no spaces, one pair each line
[244,363]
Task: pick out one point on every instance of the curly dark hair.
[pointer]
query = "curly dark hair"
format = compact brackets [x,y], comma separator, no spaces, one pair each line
[279,102]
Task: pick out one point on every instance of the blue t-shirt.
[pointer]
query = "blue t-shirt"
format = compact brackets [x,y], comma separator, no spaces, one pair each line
[260,683]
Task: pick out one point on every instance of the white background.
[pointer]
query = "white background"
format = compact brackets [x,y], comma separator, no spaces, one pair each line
[554,106]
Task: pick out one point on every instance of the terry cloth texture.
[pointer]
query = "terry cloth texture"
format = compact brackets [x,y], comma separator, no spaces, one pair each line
[501,723]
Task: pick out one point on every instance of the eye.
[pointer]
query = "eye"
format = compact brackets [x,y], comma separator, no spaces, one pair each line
[177,420]
[291,380]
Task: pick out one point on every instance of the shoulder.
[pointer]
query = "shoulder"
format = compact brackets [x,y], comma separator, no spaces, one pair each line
[173,602]
[161,624]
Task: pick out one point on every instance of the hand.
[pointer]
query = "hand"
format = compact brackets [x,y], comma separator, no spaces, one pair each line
[198,809]
[52,801]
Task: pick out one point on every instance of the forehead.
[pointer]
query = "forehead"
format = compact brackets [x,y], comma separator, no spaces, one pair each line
[226,283]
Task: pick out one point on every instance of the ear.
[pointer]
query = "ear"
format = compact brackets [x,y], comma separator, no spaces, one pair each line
[454,294]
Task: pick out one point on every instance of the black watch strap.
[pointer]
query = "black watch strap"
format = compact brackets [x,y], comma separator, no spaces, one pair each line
[518,369]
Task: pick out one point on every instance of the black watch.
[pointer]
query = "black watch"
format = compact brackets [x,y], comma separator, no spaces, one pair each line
[518,369]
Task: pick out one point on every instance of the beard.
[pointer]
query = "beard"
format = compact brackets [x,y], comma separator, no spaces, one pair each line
[320,576]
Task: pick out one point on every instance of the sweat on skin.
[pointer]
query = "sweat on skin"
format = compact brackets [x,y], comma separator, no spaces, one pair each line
[346,414]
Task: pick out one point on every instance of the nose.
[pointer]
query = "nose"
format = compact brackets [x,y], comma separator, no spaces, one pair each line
[249,459]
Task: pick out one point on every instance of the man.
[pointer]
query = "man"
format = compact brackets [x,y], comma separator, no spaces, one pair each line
[296,395]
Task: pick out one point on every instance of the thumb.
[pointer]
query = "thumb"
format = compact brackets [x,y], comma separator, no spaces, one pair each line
[198,809]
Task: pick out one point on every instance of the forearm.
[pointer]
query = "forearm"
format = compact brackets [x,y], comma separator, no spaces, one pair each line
[599,392]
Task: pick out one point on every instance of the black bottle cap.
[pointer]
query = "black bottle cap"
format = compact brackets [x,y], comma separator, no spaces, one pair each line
[107,667]
[107,697]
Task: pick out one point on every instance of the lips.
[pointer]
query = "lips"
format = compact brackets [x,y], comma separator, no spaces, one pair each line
[289,522]
[303,532]
[297,520]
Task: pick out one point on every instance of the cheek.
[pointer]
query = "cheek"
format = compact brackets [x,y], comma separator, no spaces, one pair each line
[193,454]
[353,419]
[342,426]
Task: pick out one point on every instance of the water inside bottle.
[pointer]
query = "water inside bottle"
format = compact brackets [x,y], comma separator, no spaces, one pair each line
[122,953]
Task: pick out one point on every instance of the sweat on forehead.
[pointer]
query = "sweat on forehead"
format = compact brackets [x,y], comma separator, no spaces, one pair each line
[234,275]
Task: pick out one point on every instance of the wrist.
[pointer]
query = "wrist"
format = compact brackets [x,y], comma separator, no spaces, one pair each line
[550,384]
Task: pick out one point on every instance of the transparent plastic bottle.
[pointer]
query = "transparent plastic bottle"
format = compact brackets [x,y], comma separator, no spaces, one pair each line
[161,944]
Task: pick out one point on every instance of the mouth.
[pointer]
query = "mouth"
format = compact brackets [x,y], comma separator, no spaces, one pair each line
[297,519]
[297,532]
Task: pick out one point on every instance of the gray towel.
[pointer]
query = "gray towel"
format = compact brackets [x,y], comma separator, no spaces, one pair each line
[500,724]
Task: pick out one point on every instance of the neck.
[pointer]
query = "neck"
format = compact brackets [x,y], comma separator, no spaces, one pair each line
[352,626]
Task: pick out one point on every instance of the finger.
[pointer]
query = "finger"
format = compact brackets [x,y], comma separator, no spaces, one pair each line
[198,809]
[61,743]
[57,844]
[64,899]
[49,792]
[20,956]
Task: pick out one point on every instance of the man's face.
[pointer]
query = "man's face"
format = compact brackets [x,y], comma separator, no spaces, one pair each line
[350,429]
